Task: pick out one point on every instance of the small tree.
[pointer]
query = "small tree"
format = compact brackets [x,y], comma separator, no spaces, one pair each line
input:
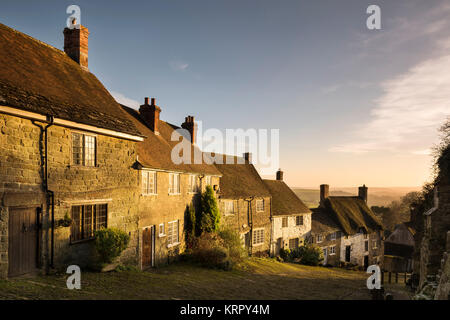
[109,243]
[190,223]
[210,215]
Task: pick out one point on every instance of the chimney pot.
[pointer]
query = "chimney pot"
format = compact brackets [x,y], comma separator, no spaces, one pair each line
[248,157]
[324,193]
[362,192]
[280,175]
[150,114]
[190,125]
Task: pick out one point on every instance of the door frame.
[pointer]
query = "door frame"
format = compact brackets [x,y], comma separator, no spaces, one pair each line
[153,231]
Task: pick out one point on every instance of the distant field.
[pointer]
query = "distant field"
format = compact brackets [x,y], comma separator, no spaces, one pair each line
[377,196]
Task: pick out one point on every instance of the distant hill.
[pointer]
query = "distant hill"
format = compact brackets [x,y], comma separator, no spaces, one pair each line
[377,196]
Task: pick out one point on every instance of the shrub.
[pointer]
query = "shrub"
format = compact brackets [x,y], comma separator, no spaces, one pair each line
[109,243]
[285,254]
[210,215]
[190,225]
[310,255]
[232,241]
[210,251]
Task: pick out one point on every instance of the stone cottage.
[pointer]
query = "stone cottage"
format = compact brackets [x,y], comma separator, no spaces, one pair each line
[66,155]
[167,189]
[361,240]
[291,218]
[326,233]
[245,202]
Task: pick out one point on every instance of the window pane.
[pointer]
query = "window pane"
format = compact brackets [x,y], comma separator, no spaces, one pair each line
[77,148]
[101,215]
[76,223]
[87,221]
[144,182]
[89,150]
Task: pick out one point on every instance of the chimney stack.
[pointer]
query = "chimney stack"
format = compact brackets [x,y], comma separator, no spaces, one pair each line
[324,193]
[362,192]
[248,157]
[76,44]
[150,114]
[280,175]
[190,125]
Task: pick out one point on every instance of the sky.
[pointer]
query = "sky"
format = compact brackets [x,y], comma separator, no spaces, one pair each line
[353,106]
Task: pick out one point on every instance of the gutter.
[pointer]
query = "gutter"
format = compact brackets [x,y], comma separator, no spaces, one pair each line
[50,195]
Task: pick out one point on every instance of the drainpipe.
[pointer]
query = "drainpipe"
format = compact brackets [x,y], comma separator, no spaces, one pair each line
[50,195]
[250,221]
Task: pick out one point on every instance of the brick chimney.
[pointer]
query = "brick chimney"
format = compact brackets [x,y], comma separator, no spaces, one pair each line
[150,114]
[324,193]
[280,175]
[190,125]
[362,192]
[76,44]
[248,157]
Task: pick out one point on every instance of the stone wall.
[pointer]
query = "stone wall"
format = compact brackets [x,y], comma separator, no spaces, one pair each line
[163,208]
[240,221]
[282,235]
[358,249]
[327,242]
[113,179]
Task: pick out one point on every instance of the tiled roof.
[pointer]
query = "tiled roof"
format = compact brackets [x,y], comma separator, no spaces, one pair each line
[284,200]
[39,78]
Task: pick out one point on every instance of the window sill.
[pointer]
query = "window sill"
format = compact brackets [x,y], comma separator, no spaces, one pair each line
[173,245]
[149,194]
[175,194]
[161,235]
[257,244]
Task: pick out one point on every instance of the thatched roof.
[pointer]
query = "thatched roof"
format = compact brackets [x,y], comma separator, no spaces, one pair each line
[239,179]
[351,214]
[322,222]
[39,78]
[155,151]
[284,200]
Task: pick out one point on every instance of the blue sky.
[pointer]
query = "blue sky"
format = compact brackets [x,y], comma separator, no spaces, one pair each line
[353,105]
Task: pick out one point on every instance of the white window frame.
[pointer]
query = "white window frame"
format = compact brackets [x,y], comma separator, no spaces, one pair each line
[208,180]
[171,234]
[259,237]
[226,208]
[145,190]
[332,250]
[174,188]
[259,204]
[83,154]
[319,238]
[302,221]
[163,233]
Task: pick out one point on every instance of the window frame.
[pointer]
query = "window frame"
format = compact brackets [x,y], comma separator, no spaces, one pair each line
[155,182]
[332,250]
[284,225]
[333,236]
[260,202]
[366,245]
[171,183]
[95,224]
[194,186]
[297,240]
[83,154]
[163,234]
[319,238]
[257,236]
[233,209]
[171,234]
[302,221]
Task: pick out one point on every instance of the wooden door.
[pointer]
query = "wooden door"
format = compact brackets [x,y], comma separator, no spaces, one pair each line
[23,241]
[148,247]
[366,262]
